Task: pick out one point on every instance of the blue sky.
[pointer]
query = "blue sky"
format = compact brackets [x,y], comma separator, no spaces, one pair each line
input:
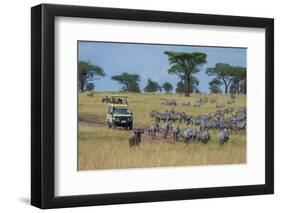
[149,61]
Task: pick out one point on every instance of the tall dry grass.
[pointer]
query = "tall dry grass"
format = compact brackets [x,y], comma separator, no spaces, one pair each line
[101,148]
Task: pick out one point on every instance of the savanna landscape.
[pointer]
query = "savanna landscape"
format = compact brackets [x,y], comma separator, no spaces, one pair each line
[174,124]
[104,148]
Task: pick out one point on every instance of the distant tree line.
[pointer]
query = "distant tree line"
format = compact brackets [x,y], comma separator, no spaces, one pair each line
[184,65]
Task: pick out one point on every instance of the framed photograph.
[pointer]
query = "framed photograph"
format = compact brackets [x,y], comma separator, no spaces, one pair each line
[136,106]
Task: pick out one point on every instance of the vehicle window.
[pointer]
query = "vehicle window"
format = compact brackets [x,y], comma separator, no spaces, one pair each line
[121,111]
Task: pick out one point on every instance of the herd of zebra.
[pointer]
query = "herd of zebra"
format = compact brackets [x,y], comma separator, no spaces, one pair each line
[197,127]
[198,103]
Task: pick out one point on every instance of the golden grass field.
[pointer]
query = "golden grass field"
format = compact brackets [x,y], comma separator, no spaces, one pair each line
[103,148]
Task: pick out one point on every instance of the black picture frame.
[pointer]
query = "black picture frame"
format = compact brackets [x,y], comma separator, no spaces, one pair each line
[43,105]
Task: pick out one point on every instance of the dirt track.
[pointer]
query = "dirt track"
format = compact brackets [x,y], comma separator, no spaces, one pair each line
[91,121]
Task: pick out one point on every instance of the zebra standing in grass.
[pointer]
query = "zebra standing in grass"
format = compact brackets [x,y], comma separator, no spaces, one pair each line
[176,131]
[189,134]
[165,128]
[197,103]
[204,136]
[224,135]
[153,129]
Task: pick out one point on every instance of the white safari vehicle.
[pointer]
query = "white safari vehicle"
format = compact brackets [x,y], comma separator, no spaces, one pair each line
[118,113]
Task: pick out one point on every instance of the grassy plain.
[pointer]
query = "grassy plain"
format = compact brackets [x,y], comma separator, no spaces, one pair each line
[103,148]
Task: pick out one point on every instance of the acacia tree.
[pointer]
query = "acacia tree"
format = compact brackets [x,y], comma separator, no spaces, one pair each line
[88,72]
[129,82]
[222,72]
[168,87]
[238,76]
[184,65]
[228,74]
[151,86]
[194,82]
[180,87]
[214,86]
[90,87]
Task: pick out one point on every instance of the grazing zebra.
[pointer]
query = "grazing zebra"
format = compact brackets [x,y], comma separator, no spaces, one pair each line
[187,103]
[169,102]
[232,101]
[197,103]
[204,136]
[176,132]
[189,134]
[220,105]
[224,136]
[153,129]
[165,129]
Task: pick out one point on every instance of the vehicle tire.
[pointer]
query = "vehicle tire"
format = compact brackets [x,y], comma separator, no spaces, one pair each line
[130,126]
[109,124]
[113,125]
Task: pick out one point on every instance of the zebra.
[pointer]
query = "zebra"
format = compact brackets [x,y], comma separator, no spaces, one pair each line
[204,136]
[153,129]
[165,129]
[224,136]
[189,134]
[176,131]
